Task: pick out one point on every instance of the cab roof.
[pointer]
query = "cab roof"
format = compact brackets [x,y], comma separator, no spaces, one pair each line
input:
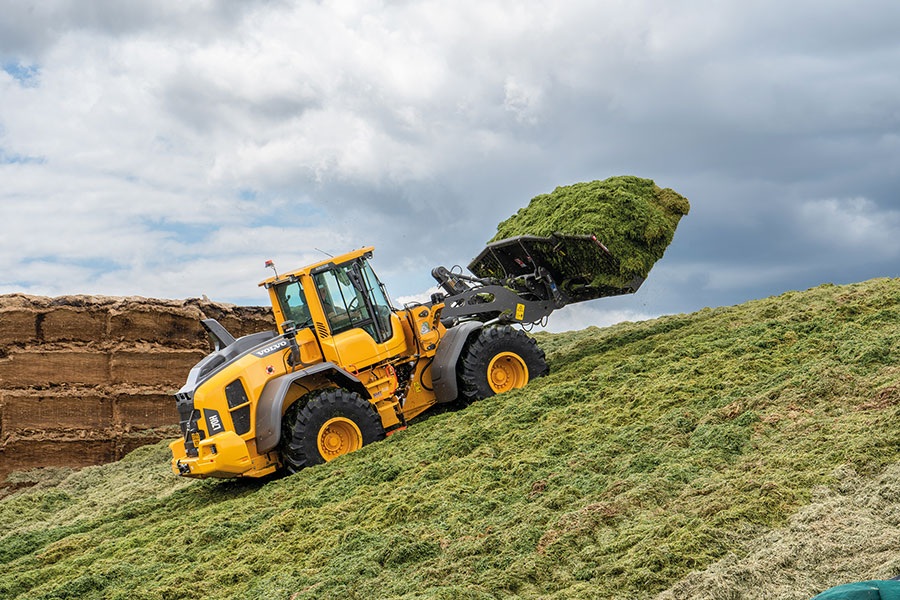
[305,270]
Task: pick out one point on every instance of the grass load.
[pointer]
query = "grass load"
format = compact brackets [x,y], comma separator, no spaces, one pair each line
[633,217]
[689,456]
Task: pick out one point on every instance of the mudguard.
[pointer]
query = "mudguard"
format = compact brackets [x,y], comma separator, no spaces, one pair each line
[443,369]
[268,408]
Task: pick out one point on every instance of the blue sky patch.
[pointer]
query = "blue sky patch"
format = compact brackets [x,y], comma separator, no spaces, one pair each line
[11,158]
[26,75]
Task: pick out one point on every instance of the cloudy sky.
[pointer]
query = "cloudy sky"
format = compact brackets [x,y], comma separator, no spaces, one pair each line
[168,149]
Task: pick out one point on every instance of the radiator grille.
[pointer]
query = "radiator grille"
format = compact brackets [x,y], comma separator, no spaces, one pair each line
[235,394]
[241,419]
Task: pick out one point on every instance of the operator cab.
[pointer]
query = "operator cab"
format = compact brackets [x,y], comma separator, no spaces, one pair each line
[343,307]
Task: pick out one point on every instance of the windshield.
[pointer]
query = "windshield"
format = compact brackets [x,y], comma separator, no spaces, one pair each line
[345,306]
[379,301]
[293,303]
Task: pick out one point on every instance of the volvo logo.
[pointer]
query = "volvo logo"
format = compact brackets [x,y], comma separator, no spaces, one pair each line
[270,348]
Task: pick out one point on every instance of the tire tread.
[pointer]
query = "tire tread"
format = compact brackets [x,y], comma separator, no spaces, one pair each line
[477,353]
[295,450]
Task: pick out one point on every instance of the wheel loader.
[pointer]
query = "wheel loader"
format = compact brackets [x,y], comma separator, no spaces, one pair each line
[346,367]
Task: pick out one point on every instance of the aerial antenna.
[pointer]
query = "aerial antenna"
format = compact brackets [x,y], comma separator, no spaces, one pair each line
[271,265]
[323,252]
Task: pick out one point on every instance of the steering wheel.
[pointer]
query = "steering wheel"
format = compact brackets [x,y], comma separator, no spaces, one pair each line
[354,304]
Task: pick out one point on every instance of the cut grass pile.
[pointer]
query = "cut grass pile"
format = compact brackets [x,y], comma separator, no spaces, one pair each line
[633,217]
[652,450]
[847,533]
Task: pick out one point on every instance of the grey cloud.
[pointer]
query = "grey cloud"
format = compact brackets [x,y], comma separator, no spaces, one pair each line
[30,28]
[206,106]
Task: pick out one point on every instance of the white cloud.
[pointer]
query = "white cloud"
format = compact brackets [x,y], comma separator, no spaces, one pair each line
[225,264]
[522,100]
[167,146]
[421,297]
[579,316]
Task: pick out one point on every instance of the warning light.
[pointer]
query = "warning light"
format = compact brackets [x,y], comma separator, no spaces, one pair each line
[271,265]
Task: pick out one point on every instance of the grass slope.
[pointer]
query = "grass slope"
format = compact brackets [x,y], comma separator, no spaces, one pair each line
[652,450]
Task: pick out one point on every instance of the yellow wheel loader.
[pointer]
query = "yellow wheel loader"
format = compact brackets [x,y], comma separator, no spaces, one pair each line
[347,368]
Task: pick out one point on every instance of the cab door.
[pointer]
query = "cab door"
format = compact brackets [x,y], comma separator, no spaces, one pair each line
[362,324]
[349,315]
[392,339]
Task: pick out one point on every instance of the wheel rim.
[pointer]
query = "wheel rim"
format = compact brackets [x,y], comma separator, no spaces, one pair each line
[507,371]
[338,436]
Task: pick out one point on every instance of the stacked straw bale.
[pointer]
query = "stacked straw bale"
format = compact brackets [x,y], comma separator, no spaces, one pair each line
[86,379]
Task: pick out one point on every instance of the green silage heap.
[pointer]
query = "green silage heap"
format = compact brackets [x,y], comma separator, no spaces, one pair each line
[633,217]
[764,435]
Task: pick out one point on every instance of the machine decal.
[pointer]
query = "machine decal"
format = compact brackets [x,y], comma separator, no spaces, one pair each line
[271,348]
[424,329]
[270,369]
[213,421]
[520,312]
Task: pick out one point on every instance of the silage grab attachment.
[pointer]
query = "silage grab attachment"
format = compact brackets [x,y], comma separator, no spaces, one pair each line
[525,278]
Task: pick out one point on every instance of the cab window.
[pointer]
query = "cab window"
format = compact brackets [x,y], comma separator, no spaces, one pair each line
[345,307]
[293,303]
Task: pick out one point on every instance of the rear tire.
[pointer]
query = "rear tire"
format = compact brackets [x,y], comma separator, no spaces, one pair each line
[497,360]
[334,422]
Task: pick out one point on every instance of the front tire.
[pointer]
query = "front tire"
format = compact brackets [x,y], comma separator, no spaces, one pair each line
[333,423]
[497,360]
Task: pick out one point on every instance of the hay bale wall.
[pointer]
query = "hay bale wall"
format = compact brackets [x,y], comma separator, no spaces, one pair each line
[86,379]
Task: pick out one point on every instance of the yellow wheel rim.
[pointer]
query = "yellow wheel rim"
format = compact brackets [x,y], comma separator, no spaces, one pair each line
[507,371]
[338,436]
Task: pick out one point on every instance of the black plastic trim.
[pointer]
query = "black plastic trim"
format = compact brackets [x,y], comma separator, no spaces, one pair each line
[443,369]
[202,371]
[218,335]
